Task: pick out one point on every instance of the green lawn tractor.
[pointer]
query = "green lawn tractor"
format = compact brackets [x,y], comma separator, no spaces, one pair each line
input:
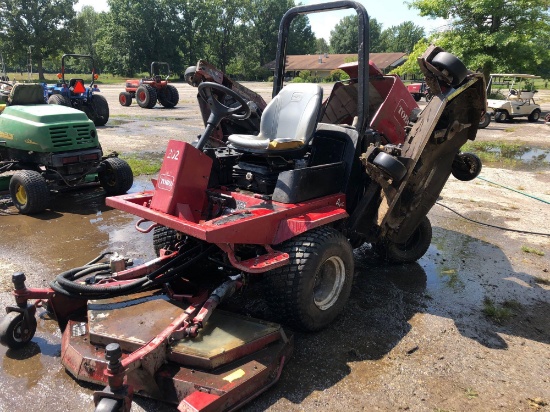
[49,148]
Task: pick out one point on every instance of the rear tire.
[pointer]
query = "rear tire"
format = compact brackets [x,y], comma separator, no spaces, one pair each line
[116,177]
[15,333]
[59,100]
[485,120]
[445,61]
[169,96]
[466,166]
[100,110]
[501,117]
[29,192]
[534,116]
[311,291]
[125,99]
[416,97]
[410,251]
[146,96]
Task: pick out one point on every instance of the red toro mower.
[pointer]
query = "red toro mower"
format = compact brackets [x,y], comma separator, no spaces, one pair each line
[151,89]
[283,206]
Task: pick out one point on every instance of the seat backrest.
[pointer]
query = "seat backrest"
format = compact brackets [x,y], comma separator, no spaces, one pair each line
[26,93]
[293,114]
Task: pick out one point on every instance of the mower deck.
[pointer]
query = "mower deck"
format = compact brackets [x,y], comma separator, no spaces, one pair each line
[233,359]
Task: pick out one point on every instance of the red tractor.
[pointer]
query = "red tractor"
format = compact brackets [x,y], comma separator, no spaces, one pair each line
[283,205]
[419,90]
[149,90]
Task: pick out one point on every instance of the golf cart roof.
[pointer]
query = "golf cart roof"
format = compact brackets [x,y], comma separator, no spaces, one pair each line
[523,76]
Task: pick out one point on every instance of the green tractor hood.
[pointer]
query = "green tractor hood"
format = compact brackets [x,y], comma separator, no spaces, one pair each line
[46,128]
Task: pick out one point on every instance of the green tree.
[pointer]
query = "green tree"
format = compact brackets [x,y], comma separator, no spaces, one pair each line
[411,64]
[135,33]
[41,26]
[498,35]
[401,38]
[343,38]
[321,46]
[265,17]
[88,22]
[301,39]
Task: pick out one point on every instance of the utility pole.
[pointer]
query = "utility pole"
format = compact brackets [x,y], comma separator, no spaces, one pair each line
[30,62]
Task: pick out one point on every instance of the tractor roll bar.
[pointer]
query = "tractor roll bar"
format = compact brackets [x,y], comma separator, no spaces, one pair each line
[362,51]
[78,56]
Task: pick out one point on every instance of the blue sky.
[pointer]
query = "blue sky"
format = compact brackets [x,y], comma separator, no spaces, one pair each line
[387,12]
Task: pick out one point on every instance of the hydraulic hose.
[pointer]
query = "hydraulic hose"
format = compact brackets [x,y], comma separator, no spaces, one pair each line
[65,283]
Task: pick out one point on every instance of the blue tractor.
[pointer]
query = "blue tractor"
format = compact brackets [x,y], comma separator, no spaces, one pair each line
[74,93]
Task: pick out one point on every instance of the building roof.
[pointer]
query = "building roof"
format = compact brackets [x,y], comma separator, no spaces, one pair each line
[328,62]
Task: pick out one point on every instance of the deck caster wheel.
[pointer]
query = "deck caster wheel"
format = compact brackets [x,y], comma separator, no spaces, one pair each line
[413,249]
[390,165]
[109,405]
[15,331]
[449,63]
[189,76]
[115,176]
[466,166]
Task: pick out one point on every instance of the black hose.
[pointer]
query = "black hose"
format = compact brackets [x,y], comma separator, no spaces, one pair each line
[65,283]
[97,259]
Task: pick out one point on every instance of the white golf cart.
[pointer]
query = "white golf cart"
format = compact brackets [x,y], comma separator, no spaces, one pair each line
[512,95]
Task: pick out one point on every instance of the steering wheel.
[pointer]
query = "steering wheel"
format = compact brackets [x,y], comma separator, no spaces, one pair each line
[218,109]
[513,92]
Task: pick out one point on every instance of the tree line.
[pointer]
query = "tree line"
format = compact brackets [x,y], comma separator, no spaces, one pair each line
[240,36]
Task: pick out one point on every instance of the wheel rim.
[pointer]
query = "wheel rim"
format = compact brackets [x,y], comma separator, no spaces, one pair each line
[329,282]
[110,176]
[123,99]
[21,195]
[18,333]
[142,96]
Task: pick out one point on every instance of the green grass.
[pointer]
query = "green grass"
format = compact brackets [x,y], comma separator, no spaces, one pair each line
[534,251]
[471,394]
[144,164]
[104,78]
[500,313]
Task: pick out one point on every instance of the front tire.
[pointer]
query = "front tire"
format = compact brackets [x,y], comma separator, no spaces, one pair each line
[100,110]
[146,96]
[311,291]
[29,192]
[125,99]
[15,333]
[116,176]
[165,238]
[413,249]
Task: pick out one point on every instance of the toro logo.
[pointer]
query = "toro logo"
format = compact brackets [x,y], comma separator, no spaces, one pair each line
[165,182]
[402,113]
